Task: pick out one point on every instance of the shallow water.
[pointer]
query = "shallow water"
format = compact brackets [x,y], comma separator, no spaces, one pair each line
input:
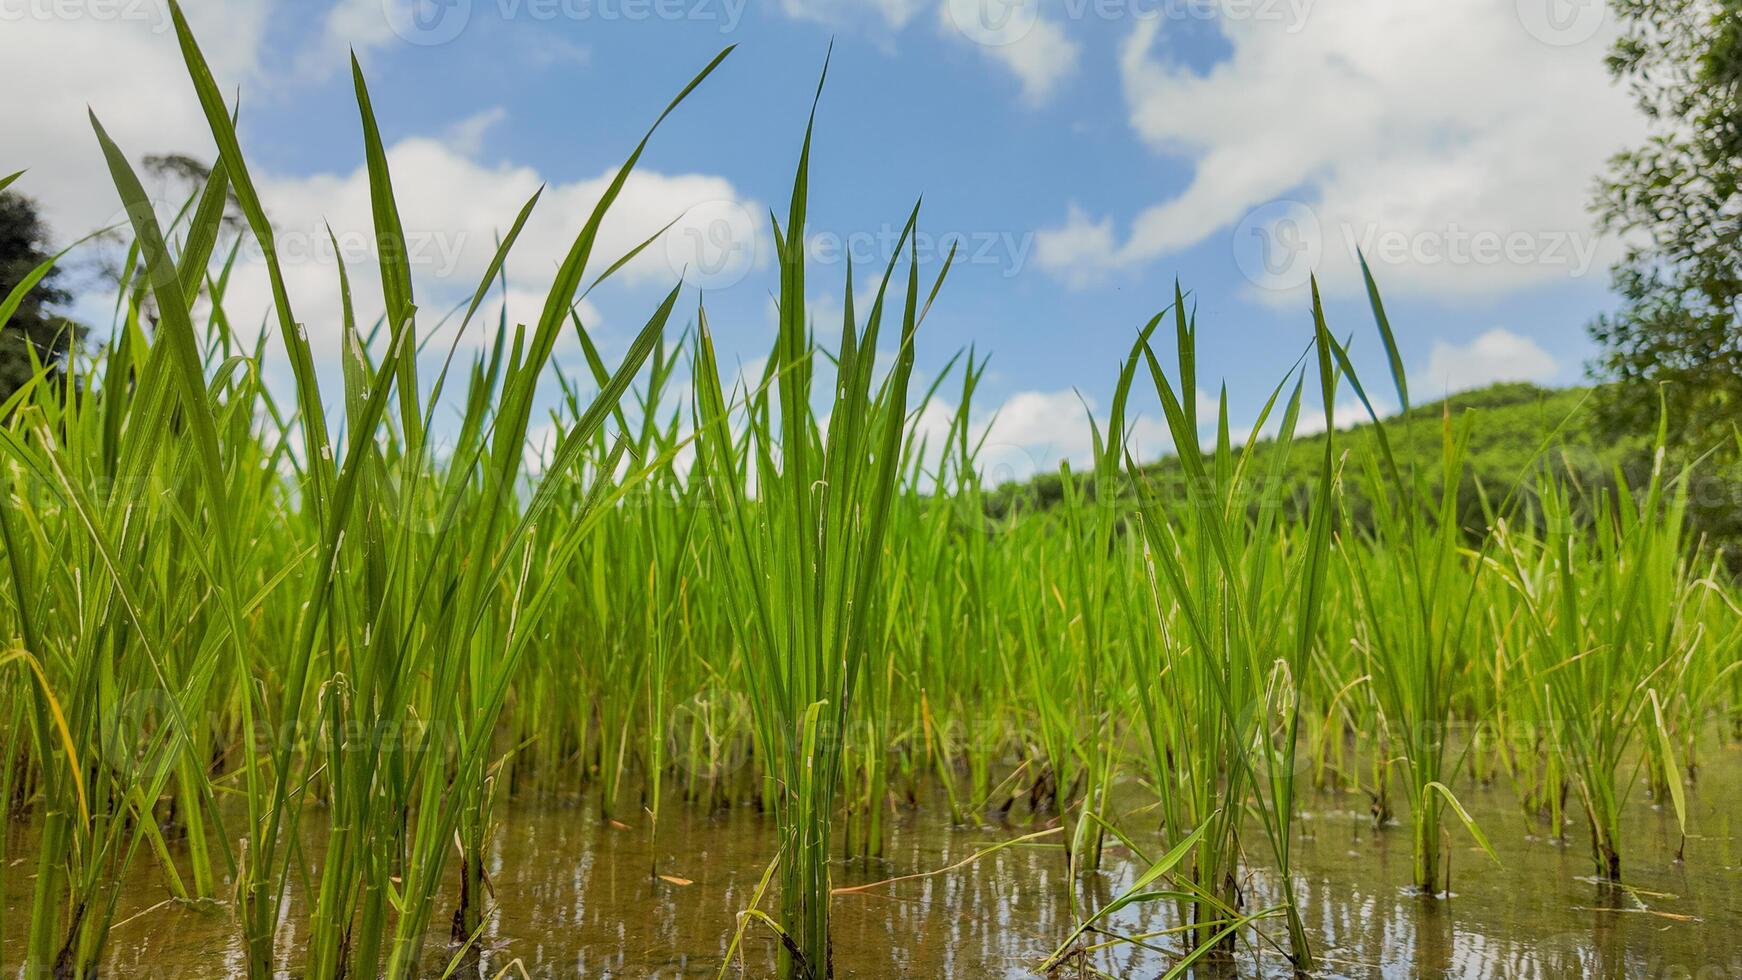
[576,898]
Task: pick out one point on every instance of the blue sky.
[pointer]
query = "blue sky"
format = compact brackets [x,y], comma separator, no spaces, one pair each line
[1085,153]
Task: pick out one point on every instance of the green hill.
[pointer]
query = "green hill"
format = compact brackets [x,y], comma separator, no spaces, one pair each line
[1513,429]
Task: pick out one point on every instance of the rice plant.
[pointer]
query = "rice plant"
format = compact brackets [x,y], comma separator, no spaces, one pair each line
[801,511]
[1605,610]
[1221,706]
[1416,593]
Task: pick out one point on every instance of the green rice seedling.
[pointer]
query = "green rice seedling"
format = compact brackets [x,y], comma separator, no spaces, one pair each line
[804,555]
[921,534]
[1416,594]
[1344,725]
[1150,886]
[981,555]
[951,652]
[503,541]
[1415,599]
[1604,611]
[1524,717]
[406,644]
[1052,681]
[1237,617]
[98,485]
[1709,654]
[1094,551]
[627,635]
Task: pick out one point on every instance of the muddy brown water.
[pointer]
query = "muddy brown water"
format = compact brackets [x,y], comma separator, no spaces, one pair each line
[576,898]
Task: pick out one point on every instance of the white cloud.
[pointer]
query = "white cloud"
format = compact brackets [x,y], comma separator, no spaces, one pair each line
[1010,33]
[453,199]
[543,49]
[1040,59]
[892,14]
[1495,356]
[453,207]
[1034,431]
[1079,250]
[1014,34]
[127,68]
[467,135]
[1311,421]
[350,25]
[1348,415]
[1412,121]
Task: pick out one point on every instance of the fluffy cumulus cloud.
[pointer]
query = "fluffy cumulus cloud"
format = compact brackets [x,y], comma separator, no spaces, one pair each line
[1034,431]
[1013,34]
[1492,357]
[119,60]
[359,25]
[1497,355]
[453,205]
[453,198]
[1348,414]
[1454,143]
[892,14]
[1081,251]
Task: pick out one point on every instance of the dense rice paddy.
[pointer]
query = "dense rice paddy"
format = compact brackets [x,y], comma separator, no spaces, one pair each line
[291,693]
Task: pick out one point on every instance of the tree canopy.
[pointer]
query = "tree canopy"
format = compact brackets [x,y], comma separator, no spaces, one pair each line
[34,327]
[1677,203]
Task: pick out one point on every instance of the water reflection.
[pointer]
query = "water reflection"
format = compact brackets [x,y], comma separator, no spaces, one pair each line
[578,897]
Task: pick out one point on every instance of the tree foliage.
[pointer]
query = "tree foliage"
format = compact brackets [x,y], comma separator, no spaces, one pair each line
[34,328]
[1677,203]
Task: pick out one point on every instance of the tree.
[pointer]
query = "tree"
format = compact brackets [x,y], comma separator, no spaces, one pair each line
[34,326]
[175,182]
[1676,202]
